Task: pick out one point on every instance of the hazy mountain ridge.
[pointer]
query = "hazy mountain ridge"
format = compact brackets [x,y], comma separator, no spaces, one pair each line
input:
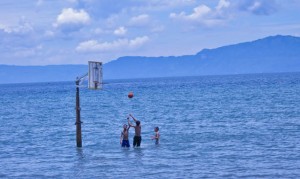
[271,54]
[267,55]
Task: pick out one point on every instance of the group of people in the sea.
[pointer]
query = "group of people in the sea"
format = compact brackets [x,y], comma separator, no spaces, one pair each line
[137,139]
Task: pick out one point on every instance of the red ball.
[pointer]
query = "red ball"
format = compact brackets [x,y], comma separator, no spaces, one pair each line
[130,95]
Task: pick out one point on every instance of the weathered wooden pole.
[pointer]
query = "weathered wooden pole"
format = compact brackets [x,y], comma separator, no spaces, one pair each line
[95,78]
[78,121]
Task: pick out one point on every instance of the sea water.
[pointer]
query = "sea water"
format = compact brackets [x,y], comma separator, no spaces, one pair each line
[211,127]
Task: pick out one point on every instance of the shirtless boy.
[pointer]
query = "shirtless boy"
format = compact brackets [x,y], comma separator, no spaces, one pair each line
[137,137]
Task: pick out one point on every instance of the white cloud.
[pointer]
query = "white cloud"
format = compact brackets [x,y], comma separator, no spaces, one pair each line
[198,13]
[204,15]
[120,44]
[146,22]
[72,16]
[120,31]
[258,7]
[139,20]
[255,6]
[22,28]
[137,42]
[223,4]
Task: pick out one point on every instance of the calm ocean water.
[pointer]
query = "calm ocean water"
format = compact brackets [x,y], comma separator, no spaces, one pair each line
[211,127]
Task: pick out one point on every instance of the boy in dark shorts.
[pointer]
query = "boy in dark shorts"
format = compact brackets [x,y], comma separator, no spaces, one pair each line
[137,137]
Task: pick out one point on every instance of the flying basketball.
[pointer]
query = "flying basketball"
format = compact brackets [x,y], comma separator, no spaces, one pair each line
[130,95]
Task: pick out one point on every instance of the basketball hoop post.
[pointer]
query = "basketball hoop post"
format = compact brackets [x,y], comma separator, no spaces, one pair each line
[78,121]
[95,82]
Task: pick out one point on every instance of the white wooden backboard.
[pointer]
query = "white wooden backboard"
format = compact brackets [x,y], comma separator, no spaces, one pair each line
[95,75]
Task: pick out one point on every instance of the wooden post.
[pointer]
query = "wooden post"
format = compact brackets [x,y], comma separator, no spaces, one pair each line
[78,121]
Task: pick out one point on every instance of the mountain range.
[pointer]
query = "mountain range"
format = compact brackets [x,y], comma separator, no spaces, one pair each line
[268,55]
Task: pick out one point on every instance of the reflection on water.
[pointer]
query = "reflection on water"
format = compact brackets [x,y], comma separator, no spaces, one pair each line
[139,152]
[80,153]
[79,162]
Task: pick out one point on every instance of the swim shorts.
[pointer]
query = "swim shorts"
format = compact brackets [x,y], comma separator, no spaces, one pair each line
[125,143]
[137,141]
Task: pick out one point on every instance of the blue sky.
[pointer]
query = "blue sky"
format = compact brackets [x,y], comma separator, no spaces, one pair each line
[45,32]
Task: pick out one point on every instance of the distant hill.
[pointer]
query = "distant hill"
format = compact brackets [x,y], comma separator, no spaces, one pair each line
[271,54]
[268,55]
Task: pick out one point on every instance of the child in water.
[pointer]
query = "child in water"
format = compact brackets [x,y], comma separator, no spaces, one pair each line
[157,135]
[138,129]
[124,136]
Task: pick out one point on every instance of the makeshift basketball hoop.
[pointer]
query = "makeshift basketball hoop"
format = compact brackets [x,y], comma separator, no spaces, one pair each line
[95,75]
[94,82]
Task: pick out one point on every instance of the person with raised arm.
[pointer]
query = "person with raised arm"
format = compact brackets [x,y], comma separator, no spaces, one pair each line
[137,139]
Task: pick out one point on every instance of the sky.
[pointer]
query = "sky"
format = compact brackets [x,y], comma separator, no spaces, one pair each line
[51,32]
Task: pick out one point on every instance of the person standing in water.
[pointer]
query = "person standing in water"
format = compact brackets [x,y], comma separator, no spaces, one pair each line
[124,136]
[156,136]
[138,129]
